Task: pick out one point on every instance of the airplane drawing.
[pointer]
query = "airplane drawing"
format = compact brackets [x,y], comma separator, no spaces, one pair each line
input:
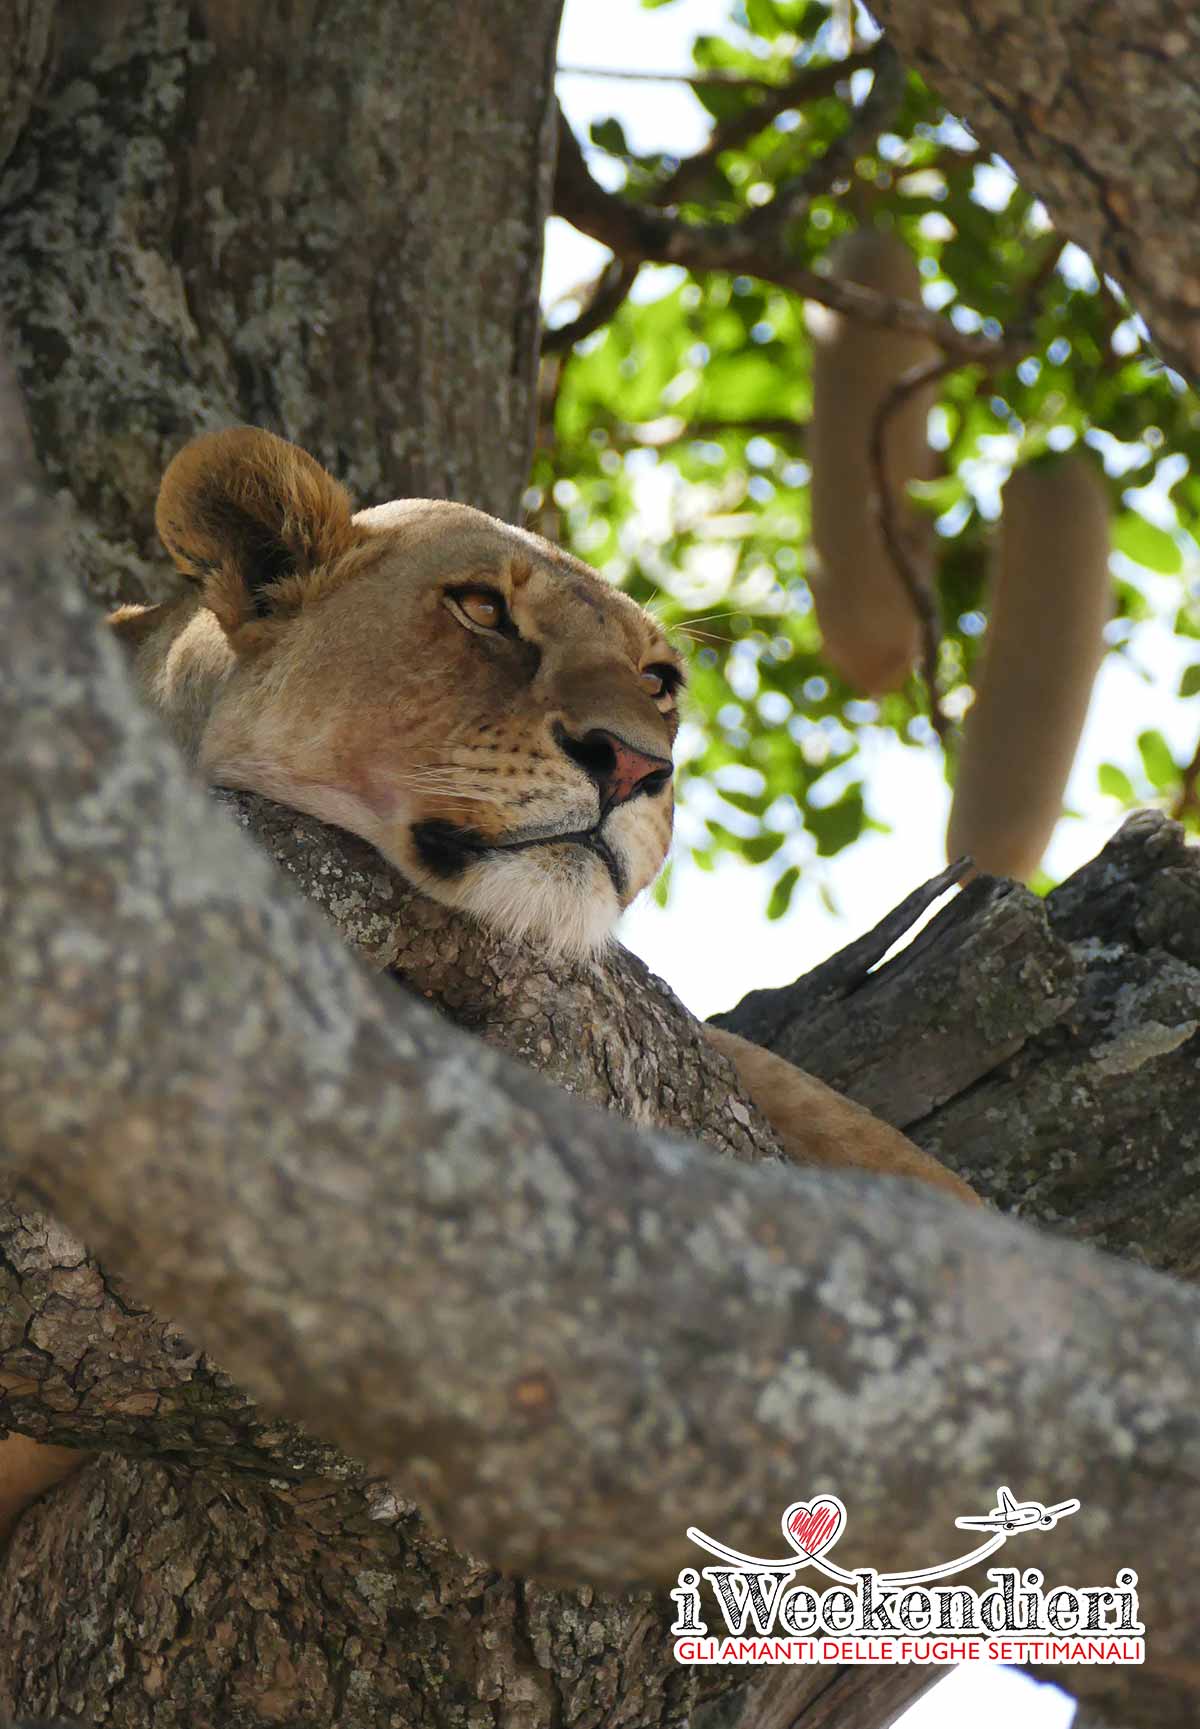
[1010,1515]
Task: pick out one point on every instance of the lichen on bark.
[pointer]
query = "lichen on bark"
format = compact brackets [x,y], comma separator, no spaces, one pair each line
[1093,102]
[214,213]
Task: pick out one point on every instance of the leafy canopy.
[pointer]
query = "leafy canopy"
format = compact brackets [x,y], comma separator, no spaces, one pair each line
[672,449]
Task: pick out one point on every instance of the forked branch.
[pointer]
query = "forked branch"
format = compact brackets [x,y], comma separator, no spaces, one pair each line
[440,1263]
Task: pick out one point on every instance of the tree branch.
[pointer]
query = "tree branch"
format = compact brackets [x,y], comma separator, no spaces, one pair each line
[715,76]
[26,43]
[675,429]
[618,276]
[920,592]
[444,1266]
[607,296]
[1110,141]
[841,1021]
[872,117]
[810,84]
[1188,797]
[638,233]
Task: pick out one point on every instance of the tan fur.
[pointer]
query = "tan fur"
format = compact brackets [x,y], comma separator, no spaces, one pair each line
[347,686]
[816,1126]
[27,1469]
[240,499]
[326,669]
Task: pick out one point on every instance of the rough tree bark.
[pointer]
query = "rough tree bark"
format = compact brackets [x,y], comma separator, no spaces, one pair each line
[1093,102]
[565,1340]
[202,224]
[217,213]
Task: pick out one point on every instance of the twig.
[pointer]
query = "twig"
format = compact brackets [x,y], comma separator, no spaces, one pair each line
[793,198]
[675,429]
[716,76]
[1189,789]
[807,86]
[608,292]
[946,161]
[1042,272]
[919,591]
[639,233]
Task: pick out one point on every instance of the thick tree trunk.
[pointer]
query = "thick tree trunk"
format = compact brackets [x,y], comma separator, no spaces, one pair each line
[1093,102]
[327,219]
[322,218]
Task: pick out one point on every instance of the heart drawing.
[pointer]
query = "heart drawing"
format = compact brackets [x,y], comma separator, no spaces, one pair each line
[812,1526]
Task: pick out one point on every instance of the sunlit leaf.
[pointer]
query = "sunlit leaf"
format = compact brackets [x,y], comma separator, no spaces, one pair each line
[1157,760]
[1115,783]
[1147,544]
[781,894]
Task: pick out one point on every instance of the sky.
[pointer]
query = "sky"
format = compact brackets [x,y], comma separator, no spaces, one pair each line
[712,942]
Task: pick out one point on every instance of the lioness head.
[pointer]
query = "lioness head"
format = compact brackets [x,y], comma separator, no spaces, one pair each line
[477,704]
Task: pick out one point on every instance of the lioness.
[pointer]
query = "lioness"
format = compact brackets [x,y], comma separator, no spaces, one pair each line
[483,708]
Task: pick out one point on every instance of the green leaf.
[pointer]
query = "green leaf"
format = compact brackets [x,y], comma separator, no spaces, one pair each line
[760,847]
[1159,764]
[838,824]
[1147,544]
[1115,783]
[763,18]
[753,803]
[1189,684]
[781,894]
[741,386]
[938,495]
[610,135]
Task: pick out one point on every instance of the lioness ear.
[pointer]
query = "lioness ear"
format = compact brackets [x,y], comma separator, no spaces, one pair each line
[251,518]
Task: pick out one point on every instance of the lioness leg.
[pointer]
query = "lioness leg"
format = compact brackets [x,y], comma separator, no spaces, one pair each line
[816,1126]
[27,1469]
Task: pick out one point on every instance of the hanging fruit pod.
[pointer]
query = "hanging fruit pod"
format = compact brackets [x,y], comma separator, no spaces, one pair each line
[1051,598]
[870,629]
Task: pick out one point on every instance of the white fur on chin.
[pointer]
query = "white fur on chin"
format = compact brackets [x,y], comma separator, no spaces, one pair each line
[561,899]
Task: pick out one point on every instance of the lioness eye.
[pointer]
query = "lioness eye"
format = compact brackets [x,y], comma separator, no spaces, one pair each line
[483,606]
[660,680]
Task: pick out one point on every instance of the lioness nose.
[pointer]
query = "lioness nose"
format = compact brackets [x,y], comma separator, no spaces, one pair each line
[619,771]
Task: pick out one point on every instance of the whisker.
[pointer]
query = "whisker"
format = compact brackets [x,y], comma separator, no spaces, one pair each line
[430,783]
[704,618]
[437,789]
[699,635]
